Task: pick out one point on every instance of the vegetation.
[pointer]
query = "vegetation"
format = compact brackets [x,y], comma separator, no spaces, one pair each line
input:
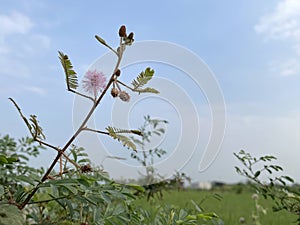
[275,187]
[80,193]
[83,194]
[230,205]
[75,196]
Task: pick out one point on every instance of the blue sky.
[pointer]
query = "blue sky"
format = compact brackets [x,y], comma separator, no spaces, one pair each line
[253,48]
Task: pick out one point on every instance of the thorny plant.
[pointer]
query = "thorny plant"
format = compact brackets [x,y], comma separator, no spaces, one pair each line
[275,187]
[146,157]
[95,84]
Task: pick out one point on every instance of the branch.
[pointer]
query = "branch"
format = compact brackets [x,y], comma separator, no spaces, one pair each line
[80,94]
[96,131]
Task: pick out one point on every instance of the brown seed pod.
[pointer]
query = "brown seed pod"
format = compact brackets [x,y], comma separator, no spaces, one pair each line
[122,31]
[114,92]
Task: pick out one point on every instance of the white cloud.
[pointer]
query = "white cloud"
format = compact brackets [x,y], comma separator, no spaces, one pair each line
[35,90]
[14,23]
[288,67]
[19,45]
[283,22]
[297,49]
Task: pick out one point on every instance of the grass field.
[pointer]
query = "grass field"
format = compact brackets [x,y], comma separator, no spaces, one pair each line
[230,208]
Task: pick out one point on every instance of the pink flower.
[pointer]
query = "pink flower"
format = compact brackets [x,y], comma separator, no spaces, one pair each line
[94,82]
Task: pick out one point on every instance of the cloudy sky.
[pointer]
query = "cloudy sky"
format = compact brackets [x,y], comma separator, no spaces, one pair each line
[252,47]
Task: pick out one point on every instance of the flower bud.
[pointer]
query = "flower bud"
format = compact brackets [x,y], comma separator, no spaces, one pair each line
[122,31]
[114,92]
[130,36]
[254,196]
[86,168]
[124,96]
[118,73]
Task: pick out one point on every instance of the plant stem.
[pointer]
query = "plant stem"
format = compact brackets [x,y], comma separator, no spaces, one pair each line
[82,126]
[96,131]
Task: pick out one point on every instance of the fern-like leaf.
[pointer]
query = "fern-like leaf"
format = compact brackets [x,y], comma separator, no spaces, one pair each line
[118,131]
[71,75]
[146,90]
[36,131]
[126,141]
[79,154]
[21,114]
[143,78]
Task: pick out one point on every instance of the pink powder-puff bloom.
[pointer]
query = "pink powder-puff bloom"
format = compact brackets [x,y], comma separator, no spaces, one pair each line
[94,82]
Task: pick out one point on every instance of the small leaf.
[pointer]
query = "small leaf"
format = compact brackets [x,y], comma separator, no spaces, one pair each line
[257,174]
[37,131]
[13,159]
[34,128]
[238,170]
[25,179]
[71,75]
[136,187]
[126,141]
[146,90]
[288,179]
[114,130]
[143,78]
[71,188]
[23,117]
[281,181]
[3,159]
[137,132]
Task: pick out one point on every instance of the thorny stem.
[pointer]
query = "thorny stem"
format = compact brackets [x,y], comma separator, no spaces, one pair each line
[82,126]
[58,150]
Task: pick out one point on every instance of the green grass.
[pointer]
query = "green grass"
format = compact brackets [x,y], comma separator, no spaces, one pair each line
[230,208]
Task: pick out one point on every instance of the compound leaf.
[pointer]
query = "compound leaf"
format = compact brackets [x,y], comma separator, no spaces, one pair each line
[143,78]
[71,75]
[126,141]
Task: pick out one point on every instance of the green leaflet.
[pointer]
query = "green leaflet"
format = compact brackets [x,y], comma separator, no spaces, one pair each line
[34,127]
[147,90]
[71,75]
[10,214]
[3,159]
[126,141]
[143,78]
[79,155]
[37,131]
